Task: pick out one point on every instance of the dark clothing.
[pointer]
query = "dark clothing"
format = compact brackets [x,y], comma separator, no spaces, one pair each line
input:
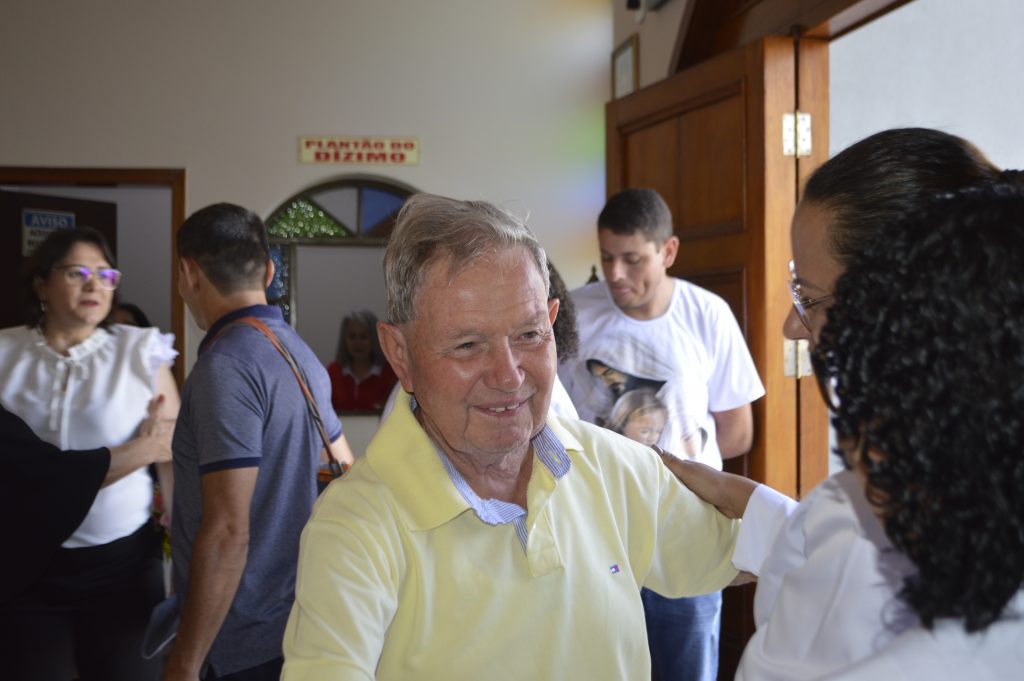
[242,408]
[44,496]
[86,613]
[268,671]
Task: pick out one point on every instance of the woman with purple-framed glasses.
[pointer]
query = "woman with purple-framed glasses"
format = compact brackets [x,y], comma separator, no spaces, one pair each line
[81,382]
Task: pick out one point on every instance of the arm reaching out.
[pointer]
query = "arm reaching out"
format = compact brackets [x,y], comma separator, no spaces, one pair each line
[151,445]
[727,492]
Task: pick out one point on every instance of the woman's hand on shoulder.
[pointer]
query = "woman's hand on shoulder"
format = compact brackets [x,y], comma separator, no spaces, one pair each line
[727,492]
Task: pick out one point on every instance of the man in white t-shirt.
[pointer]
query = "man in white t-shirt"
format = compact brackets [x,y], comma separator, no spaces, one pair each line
[663,362]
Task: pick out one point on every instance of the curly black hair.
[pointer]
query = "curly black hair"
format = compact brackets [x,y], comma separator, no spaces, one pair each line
[924,346]
[567,336]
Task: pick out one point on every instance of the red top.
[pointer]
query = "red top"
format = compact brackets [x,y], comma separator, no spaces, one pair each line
[369,394]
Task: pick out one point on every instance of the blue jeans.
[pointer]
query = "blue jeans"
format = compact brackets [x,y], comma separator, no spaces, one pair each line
[683,636]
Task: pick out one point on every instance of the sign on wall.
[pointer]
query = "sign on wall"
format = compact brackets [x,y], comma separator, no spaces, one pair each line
[378,151]
[37,224]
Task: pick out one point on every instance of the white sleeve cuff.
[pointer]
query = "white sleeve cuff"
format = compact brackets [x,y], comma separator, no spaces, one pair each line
[766,513]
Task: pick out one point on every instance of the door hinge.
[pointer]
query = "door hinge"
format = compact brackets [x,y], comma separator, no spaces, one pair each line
[796,361]
[796,134]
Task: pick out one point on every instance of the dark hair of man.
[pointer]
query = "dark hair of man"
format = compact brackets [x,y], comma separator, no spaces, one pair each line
[925,348]
[47,256]
[637,210]
[567,335]
[230,245]
[139,317]
[888,176]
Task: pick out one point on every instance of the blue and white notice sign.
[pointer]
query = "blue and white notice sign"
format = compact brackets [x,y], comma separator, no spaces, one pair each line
[37,224]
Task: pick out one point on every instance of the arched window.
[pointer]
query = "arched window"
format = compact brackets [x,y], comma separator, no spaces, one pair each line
[351,212]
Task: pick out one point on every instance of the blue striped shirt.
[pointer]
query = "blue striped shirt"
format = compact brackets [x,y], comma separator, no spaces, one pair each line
[549,451]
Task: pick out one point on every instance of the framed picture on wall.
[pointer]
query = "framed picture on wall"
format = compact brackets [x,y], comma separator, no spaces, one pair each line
[626,67]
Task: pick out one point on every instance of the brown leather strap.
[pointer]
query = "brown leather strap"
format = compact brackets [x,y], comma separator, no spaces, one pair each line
[337,468]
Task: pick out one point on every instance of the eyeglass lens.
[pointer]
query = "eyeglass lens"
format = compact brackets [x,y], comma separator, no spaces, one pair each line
[795,292]
[106,277]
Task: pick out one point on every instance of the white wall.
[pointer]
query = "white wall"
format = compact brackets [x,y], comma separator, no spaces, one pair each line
[657,31]
[945,64]
[506,97]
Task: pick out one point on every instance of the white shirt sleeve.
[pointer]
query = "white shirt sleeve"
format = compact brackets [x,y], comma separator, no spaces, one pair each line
[827,592]
[733,380]
[766,513]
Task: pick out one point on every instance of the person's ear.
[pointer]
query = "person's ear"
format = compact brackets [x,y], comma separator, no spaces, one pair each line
[37,287]
[395,345]
[188,272]
[553,305]
[669,251]
[270,273]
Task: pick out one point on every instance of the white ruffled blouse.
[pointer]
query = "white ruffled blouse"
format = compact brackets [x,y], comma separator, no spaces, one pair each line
[94,397]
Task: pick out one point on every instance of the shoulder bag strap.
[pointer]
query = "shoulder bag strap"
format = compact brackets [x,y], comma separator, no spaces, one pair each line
[337,467]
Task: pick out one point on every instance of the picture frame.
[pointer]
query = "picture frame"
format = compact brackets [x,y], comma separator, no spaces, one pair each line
[626,67]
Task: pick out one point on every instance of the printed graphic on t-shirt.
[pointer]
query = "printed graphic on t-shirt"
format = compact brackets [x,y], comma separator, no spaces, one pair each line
[646,408]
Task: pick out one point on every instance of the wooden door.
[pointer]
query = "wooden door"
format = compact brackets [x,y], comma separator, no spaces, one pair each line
[710,140]
[26,219]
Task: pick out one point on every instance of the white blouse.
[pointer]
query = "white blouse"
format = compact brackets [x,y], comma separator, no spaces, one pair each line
[827,591]
[948,652]
[95,397]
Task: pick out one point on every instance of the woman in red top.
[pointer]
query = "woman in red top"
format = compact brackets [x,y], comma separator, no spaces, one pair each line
[361,378]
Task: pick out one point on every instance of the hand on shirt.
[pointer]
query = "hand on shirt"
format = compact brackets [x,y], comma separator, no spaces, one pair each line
[157,430]
[727,492]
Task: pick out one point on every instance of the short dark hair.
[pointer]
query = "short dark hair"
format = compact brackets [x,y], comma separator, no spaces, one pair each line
[229,243]
[637,210]
[567,335]
[925,347]
[890,175]
[47,255]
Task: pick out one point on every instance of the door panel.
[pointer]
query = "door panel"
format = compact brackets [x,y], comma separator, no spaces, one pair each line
[36,214]
[732,192]
[653,157]
[710,203]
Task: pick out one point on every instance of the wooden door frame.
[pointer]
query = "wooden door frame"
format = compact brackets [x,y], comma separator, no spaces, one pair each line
[710,28]
[172,178]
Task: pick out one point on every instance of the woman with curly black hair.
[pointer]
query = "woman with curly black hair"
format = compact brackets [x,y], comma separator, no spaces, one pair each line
[923,358]
[827,594]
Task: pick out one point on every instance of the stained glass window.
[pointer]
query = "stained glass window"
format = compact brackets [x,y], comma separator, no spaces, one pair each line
[359,209]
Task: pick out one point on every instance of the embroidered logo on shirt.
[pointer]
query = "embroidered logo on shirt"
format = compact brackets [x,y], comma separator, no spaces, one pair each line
[614,569]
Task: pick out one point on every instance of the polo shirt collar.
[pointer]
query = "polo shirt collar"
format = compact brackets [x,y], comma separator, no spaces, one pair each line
[408,462]
[264,312]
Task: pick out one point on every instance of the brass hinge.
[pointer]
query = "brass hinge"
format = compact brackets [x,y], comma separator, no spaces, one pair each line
[796,361]
[796,134]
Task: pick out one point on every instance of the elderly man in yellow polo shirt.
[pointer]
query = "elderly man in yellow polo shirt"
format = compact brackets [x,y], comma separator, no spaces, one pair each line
[481,537]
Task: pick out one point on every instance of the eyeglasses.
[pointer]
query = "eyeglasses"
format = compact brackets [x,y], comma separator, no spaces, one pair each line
[78,275]
[800,303]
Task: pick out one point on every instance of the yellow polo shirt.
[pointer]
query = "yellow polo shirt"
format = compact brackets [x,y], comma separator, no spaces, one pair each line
[399,579]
